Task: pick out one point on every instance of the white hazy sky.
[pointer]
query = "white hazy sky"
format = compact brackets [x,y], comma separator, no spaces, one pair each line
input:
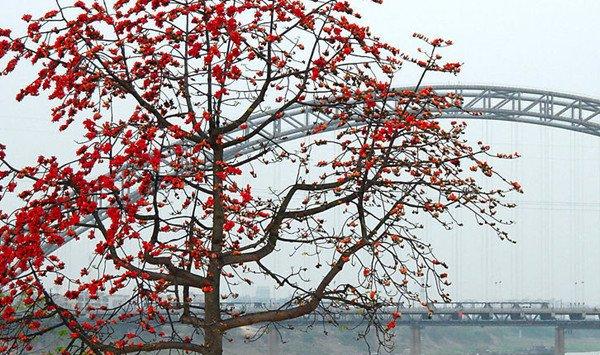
[546,44]
[549,44]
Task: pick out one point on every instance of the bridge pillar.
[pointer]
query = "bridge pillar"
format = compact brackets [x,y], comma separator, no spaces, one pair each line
[415,342]
[559,341]
[273,342]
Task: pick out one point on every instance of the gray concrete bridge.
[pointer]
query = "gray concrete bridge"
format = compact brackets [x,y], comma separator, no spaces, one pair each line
[417,317]
[461,313]
[457,314]
[481,314]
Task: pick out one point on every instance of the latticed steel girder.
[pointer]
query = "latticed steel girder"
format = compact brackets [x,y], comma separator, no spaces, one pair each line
[546,108]
[501,103]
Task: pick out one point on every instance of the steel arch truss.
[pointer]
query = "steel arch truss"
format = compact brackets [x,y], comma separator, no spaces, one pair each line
[546,108]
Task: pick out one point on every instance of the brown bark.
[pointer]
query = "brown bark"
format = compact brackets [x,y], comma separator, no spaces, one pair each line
[213,337]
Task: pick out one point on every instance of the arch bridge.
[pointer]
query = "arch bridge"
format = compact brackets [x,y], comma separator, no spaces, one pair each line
[500,103]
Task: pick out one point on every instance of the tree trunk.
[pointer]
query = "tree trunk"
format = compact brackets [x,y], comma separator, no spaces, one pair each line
[213,340]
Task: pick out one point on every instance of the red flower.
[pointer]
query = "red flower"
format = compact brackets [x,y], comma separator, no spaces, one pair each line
[228,225]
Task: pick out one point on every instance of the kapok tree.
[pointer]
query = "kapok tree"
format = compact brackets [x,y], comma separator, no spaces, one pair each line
[165,93]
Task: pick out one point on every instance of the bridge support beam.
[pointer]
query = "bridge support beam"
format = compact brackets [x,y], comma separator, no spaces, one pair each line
[559,341]
[415,340]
